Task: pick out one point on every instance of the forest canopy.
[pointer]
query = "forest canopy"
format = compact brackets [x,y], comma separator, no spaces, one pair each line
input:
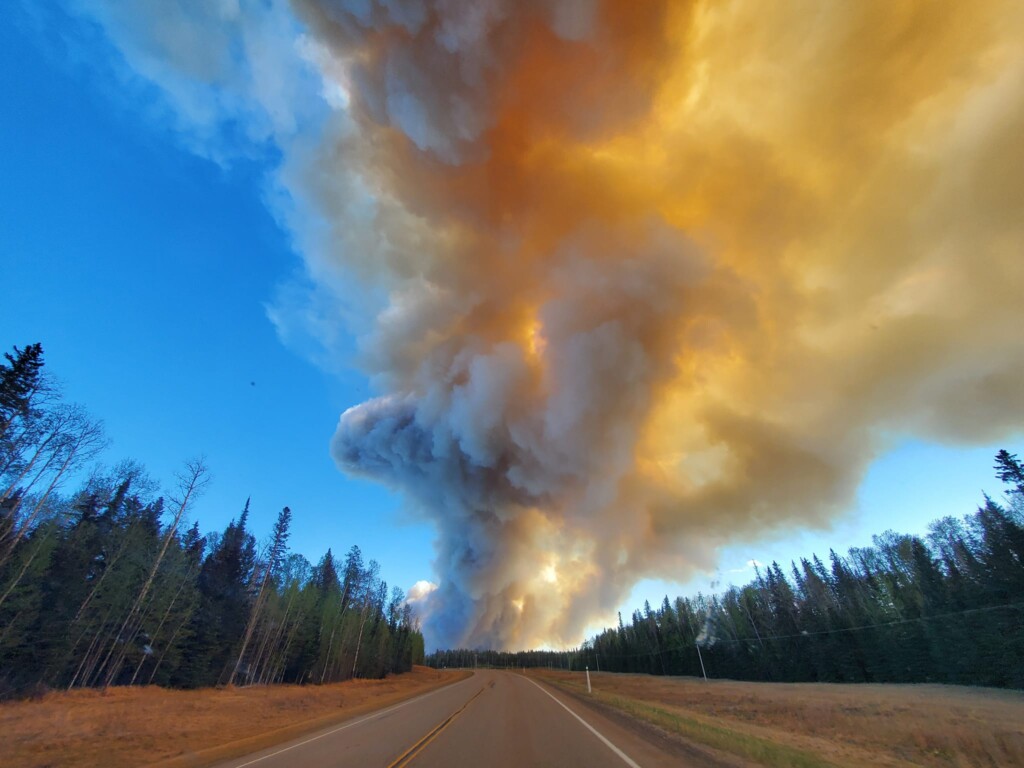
[110,584]
[942,608]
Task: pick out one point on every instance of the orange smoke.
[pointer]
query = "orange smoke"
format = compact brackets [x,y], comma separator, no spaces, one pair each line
[662,274]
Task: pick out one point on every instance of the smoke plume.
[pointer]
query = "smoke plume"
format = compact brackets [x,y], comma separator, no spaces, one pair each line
[635,279]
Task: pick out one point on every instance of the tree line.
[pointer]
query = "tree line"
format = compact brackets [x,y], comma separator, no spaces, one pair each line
[946,607]
[467,658]
[109,585]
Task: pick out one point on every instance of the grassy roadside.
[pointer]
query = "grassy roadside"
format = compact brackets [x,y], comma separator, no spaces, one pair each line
[187,729]
[810,725]
[760,750]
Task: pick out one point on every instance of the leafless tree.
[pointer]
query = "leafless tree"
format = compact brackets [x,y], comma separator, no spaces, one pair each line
[72,438]
[191,483]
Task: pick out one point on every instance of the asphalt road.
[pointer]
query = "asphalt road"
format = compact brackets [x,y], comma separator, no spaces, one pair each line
[493,719]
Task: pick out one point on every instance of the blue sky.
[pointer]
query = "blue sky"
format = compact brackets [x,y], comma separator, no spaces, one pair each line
[145,270]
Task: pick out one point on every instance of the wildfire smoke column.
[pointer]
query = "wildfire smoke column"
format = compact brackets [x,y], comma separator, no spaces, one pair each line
[658,275]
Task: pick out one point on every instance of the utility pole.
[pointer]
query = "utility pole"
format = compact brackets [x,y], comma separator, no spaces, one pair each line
[703,671]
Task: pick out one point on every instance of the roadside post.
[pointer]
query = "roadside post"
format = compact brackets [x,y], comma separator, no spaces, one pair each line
[588,679]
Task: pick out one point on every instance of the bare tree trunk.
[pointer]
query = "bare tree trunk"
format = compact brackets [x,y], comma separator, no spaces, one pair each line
[272,559]
[283,654]
[80,671]
[63,424]
[87,441]
[359,640]
[42,386]
[274,648]
[251,625]
[265,660]
[191,483]
[268,630]
[330,645]
[24,570]
[55,432]
[15,444]
[187,577]
[107,569]
[170,644]
[19,532]
[9,626]
[268,658]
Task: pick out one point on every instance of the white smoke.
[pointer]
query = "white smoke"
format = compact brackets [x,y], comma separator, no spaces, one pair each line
[633,279]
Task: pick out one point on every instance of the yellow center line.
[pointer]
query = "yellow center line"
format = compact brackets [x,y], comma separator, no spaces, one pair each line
[407,757]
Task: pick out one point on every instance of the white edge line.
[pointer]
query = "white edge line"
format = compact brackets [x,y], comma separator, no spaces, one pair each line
[359,722]
[625,758]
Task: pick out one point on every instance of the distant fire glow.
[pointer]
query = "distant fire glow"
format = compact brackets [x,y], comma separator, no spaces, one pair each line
[632,280]
[670,274]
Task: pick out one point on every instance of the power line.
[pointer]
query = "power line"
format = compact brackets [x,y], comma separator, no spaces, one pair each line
[803,634]
[895,623]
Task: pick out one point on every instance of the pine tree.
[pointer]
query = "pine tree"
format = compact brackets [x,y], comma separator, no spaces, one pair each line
[269,567]
[1010,470]
[223,611]
[19,381]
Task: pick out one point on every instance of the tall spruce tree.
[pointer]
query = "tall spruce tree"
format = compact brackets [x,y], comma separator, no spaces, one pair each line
[19,381]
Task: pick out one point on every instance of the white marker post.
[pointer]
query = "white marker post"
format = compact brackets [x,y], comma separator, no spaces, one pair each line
[588,680]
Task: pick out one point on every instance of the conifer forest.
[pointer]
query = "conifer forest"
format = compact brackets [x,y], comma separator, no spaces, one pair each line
[110,584]
[944,608]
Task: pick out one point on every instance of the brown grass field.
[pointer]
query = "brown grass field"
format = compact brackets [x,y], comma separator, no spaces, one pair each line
[774,724]
[140,726]
[816,724]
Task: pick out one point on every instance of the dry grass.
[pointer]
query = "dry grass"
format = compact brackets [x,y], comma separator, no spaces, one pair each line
[139,726]
[823,724]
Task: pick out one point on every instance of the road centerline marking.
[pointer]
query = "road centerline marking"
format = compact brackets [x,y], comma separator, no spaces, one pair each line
[625,758]
[407,757]
[360,721]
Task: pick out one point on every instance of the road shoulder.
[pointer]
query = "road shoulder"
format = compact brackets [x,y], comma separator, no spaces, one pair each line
[688,752]
[281,736]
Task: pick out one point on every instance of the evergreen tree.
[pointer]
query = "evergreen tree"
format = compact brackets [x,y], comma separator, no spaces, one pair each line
[266,571]
[221,616]
[108,586]
[945,608]
[19,381]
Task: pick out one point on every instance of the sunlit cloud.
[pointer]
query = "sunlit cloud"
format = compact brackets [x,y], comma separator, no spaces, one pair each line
[633,280]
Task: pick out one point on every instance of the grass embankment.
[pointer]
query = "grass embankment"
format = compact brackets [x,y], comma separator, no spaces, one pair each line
[140,726]
[810,725]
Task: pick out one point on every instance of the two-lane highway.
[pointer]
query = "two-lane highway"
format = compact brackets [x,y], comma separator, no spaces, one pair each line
[492,718]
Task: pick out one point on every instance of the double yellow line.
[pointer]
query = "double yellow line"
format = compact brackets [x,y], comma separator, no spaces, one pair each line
[407,757]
